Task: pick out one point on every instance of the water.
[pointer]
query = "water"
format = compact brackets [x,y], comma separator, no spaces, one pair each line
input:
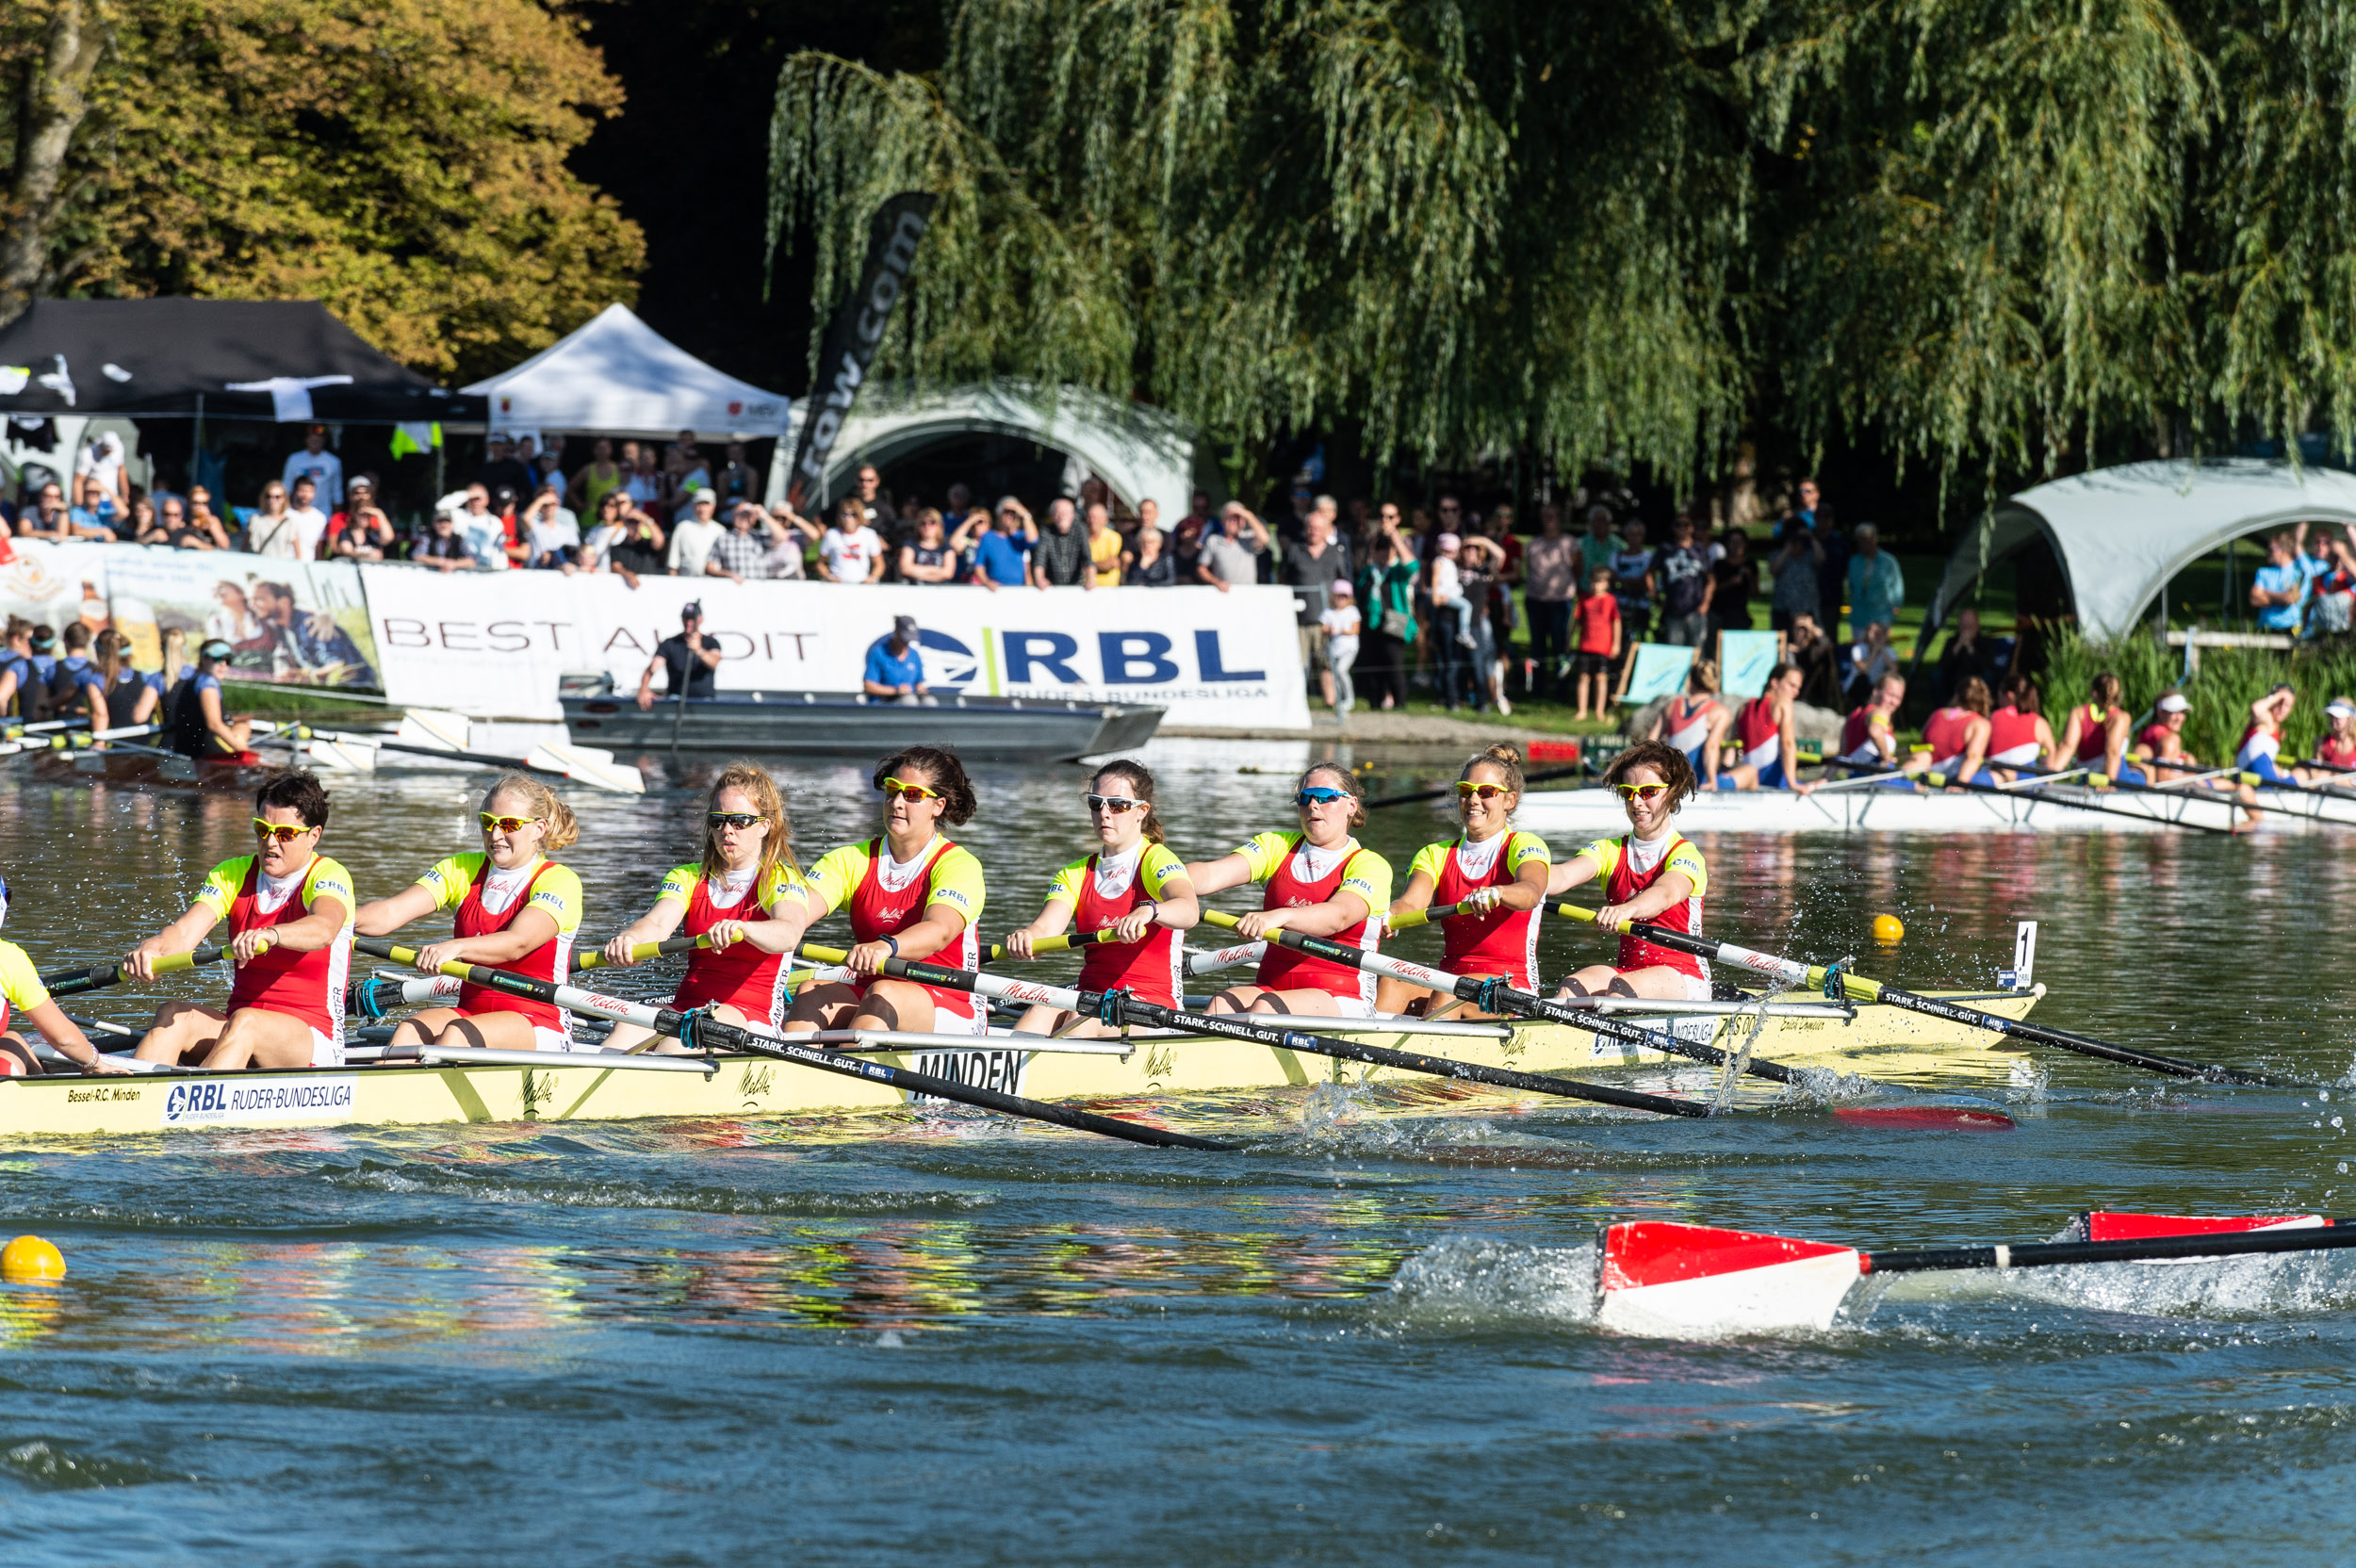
[1365,1339]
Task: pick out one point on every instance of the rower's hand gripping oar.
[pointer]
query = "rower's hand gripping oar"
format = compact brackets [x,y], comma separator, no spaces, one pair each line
[1118,1008]
[711,1032]
[1063,943]
[91,977]
[1837,980]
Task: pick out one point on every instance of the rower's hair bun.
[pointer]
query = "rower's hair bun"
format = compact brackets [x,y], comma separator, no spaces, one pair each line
[1504,756]
[1505,752]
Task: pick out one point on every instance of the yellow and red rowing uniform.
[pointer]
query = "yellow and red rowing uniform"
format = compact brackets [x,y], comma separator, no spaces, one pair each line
[1299,875]
[2094,732]
[2012,740]
[489,901]
[1627,866]
[304,985]
[1502,942]
[744,977]
[1948,733]
[2339,753]
[1101,891]
[21,990]
[883,897]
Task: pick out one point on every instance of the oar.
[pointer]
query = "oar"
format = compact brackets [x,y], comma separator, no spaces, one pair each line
[1199,962]
[1055,944]
[670,946]
[1837,980]
[708,1031]
[1666,1278]
[91,977]
[2288,785]
[1118,1007]
[1415,795]
[550,761]
[73,740]
[1495,996]
[2018,790]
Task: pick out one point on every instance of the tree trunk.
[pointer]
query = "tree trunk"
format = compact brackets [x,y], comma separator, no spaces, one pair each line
[52,101]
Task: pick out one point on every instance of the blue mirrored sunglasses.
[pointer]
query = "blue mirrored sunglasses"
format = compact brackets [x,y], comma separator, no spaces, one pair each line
[1319,795]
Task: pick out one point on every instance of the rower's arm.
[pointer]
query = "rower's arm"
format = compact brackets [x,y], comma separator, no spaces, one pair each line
[653,926]
[209,699]
[1416,895]
[2114,751]
[2067,744]
[1530,885]
[145,711]
[1217,876]
[1336,914]
[381,917]
[534,928]
[316,930]
[942,923]
[1673,888]
[1178,908]
[181,936]
[62,1032]
[1572,873]
[1975,736]
[788,917]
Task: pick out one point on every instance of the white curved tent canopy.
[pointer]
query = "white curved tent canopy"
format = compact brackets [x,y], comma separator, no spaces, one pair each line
[1139,451]
[618,376]
[2121,533]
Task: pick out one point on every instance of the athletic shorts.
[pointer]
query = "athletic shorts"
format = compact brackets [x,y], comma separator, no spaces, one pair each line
[954,1012]
[324,1050]
[1590,663]
[1769,778]
[2129,773]
[2263,765]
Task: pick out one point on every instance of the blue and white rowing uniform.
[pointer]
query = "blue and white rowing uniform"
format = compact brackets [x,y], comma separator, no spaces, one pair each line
[1685,726]
[2259,746]
[1762,739]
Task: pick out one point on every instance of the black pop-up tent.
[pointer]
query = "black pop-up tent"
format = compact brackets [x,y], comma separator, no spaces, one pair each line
[286,359]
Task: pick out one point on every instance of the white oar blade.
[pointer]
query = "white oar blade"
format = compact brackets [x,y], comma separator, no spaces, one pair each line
[574,763]
[1669,1281]
[431,726]
[2113,1225]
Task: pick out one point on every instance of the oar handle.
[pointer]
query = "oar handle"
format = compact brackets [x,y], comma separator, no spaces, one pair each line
[1063,943]
[71,982]
[643,953]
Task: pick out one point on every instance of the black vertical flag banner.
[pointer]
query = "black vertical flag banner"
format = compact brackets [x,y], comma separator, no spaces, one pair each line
[855,334]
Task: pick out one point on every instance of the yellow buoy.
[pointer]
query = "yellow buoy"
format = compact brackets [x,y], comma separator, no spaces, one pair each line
[31,1258]
[1888,929]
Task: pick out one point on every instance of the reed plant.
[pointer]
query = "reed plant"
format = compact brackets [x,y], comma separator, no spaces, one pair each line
[2221,690]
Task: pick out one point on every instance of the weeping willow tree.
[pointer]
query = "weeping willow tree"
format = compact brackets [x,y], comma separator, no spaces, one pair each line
[2018,234]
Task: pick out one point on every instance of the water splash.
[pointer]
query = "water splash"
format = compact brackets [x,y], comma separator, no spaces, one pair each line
[1475,1282]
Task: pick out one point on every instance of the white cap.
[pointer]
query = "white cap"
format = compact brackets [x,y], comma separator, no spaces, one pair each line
[2174,703]
[2340,708]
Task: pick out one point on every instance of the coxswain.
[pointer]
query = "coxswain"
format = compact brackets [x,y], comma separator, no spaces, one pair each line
[1651,873]
[1957,734]
[2019,738]
[1765,731]
[1695,722]
[1133,884]
[1321,882]
[2337,750]
[25,1000]
[909,893]
[2096,733]
[195,726]
[1869,737]
[1494,873]
[514,910]
[2262,739]
[2161,746]
[289,910]
[743,898]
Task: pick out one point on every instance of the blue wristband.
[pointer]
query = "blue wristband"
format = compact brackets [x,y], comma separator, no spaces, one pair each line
[893,942]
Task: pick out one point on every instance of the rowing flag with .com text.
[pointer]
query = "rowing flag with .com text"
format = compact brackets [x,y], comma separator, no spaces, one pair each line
[855,334]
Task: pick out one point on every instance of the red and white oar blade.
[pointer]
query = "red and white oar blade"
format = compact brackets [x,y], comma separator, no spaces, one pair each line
[1698,1281]
[2112,1225]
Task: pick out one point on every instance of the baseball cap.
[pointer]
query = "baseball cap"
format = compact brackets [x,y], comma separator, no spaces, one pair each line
[904,625]
[708,494]
[1451,542]
[2340,708]
[1340,589]
[2175,702]
[692,607]
[213,647]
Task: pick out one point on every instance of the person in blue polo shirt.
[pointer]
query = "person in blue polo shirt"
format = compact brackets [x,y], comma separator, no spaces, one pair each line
[895,667]
[1002,557]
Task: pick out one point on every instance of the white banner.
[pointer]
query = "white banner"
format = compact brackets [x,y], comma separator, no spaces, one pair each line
[494,644]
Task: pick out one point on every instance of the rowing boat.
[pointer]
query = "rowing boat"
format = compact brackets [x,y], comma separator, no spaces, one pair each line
[2047,809]
[144,768]
[1880,1041]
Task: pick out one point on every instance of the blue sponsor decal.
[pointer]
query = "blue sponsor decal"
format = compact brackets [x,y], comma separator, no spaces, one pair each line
[949,664]
[226,1101]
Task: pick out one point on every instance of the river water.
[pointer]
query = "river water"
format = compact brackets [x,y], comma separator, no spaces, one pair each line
[1363,1340]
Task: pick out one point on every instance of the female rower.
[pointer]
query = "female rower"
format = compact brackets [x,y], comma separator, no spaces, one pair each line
[289,910]
[1133,884]
[22,995]
[1957,734]
[748,853]
[517,911]
[2161,747]
[1869,737]
[1766,731]
[196,727]
[2019,738]
[910,893]
[1651,873]
[1493,874]
[2262,741]
[2096,733]
[2337,750]
[1695,722]
[130,700]
[1321,882]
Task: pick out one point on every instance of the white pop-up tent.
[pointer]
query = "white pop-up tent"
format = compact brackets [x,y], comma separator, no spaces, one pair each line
[617,376]
[2121,533]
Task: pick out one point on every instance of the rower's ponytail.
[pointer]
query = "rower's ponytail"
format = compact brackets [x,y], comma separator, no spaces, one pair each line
[546,805]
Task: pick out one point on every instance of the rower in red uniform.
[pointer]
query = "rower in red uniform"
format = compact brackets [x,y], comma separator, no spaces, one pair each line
[511,909]
[2337,750]
[2019,738]
[1135,886]
[1695,722]
[2161,742]
[744,897]
[289,910]
[1764,727]
[909,893]
[2096,733]
[1651,873]
[1957,734]
[1321,882]
[1869,738]
[1493,874]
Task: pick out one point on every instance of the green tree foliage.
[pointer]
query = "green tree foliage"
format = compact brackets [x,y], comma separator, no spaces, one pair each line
[402,160]
[2016,234]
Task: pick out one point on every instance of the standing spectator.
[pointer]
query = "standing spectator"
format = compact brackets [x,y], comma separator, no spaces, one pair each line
[48,517]
[1060,559]
[1683,570]
[1598,544]
[96,517]
[1551,564]
[1106,546]
[694,469]
[1812,653]
[597,546]
[360,532]
[1809,500]
[2278,590]
[323,468]
[736,480]
[640,477]
[1600,638]
[501,467]
[1876,586]
[1633,583]
[692,535]
[1386,589]
[308,516]
[506,506]
[274,531]
[643,546]
[599,477]
[1149,565]
[202,520]
[1481,566]
[1149,520]
[1185,544]
[101,459]
[929,556]
[551,532]
[1199,514]
[1451,617]
[1313,565]
[484,531]
[790,535]
[1870,661]
[1499,530]
[1002,558]
[181,533]
[1969,654]
[1736,577]
[741,554]
[443,548]
[1233,554]
[875,508]
[1795,569]
[1832,566]
[1451,520]
[850,551]
[1339,622]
